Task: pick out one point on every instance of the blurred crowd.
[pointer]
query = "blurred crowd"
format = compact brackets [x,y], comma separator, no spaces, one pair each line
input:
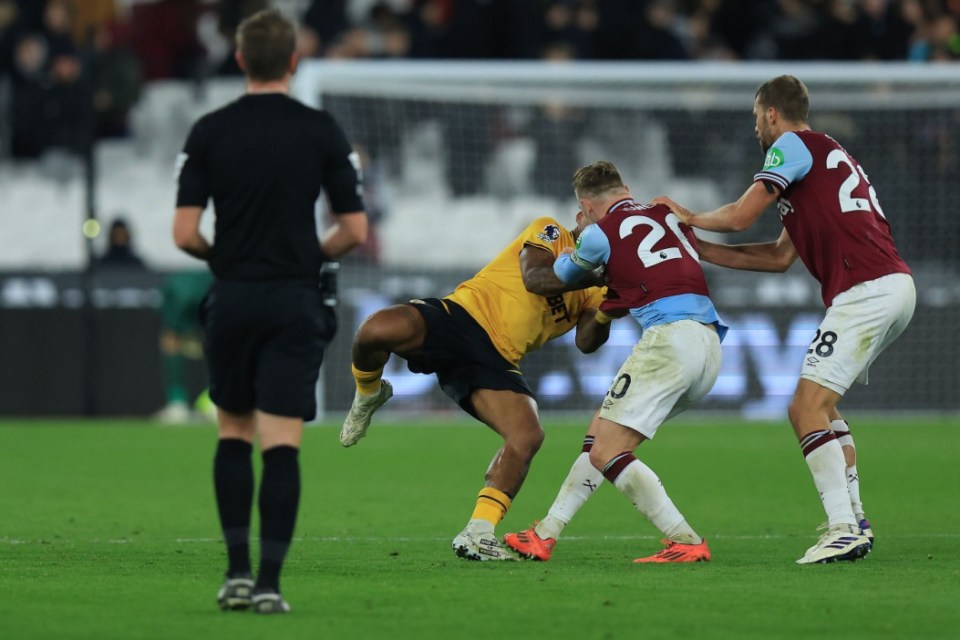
[71,70]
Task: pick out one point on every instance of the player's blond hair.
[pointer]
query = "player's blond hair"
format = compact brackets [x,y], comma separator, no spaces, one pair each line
[596,179]
[786,94]
[266,40]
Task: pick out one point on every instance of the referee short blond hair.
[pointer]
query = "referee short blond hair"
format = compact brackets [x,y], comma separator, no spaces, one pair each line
[266,41]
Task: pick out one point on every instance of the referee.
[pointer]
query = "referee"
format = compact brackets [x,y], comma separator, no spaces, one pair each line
[264,160]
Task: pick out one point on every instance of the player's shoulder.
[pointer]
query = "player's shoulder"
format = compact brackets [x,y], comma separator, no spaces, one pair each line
[790,140]
[547,229]
[805,139]
[789,153]
[311,112]
[221,119]
[221,113]
[321,117]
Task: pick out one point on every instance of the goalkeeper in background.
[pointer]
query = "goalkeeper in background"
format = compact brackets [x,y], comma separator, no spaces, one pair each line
[473,340]
[180,342]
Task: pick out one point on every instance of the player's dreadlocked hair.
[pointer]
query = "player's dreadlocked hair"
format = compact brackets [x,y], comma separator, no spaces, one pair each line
[596,180]
[266,40]
[787,95]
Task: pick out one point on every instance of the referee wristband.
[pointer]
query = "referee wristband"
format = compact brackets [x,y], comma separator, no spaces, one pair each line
[602,318]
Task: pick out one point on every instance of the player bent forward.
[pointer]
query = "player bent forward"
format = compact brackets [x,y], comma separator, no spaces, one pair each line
[473,340]
[654,274]
[833,222]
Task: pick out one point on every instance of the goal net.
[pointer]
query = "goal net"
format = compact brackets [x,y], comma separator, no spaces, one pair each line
[460,157]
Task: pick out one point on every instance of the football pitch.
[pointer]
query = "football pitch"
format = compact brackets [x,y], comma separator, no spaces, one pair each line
[108,530]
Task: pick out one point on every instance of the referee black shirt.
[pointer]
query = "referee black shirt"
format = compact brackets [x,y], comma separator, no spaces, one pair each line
[264,159]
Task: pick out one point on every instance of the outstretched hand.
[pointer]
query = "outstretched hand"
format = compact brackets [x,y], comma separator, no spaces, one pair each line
[598,277]
[684,214]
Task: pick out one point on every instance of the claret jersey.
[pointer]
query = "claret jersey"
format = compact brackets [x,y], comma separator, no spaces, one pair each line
[653,267]
[830,211]
[516,320]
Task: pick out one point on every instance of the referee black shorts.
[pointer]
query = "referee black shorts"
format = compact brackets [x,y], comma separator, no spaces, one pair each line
[264,344]
[462,355]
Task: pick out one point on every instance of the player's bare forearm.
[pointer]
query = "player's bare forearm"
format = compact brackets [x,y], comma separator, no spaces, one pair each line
[774,256]
[723,219]
[186,233]
[542,281]
[590,333]
[732,217]
[536,269]
[198,247]
[347,232]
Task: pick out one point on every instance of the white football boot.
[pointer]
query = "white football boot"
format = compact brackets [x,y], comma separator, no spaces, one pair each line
[235,593]
[472,545]
[839,542]
[174,413]
[269,603]
[361,412]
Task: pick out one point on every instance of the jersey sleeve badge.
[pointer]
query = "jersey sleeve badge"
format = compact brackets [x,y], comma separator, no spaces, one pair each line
[774,159]
[550,233]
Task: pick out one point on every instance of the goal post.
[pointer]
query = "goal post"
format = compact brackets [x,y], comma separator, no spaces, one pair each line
[461,156]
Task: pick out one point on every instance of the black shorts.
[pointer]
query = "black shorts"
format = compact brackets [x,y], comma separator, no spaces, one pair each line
[264,345]
[462,355]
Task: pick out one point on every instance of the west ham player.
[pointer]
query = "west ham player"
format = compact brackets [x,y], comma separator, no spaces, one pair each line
[474,339]
[833,221]
[654,274]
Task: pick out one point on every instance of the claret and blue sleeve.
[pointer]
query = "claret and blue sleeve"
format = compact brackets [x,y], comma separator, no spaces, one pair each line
[787,161]
[593,250]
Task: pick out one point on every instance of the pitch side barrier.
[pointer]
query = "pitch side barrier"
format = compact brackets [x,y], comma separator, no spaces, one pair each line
[773,318]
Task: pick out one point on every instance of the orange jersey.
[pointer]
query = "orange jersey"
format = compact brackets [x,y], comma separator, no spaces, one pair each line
[516,320]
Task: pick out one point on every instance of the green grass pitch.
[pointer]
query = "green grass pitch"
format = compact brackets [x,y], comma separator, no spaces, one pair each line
[108,530]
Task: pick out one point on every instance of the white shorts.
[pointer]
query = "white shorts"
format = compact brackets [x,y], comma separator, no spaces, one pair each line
[671,368]
[859,325]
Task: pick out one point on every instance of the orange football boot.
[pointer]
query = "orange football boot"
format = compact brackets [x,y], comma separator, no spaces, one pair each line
[679,552]
[529,545]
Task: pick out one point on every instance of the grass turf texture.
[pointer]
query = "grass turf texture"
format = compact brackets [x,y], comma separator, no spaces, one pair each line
[108,530]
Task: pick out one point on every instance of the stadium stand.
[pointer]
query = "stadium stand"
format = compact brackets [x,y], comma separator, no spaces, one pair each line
[460,155]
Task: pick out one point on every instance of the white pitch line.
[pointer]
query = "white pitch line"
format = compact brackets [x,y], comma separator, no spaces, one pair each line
[395,539]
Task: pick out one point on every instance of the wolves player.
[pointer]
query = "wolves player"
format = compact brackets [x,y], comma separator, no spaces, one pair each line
[654,274]
[474,339]
[833,221]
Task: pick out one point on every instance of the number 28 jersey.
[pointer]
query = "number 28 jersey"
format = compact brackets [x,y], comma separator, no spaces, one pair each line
[830,211]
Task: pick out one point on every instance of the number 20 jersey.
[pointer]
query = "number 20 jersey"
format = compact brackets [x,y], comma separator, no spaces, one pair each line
[830,211]
[649,256]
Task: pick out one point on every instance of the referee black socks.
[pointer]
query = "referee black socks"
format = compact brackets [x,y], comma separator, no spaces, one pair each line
[233,484]
[278,502]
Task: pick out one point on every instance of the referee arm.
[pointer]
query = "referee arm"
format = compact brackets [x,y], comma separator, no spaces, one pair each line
[349,231]
[186,233]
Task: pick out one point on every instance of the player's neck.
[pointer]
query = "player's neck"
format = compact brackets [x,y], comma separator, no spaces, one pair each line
[272,86]
[793,126]
[620,196]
